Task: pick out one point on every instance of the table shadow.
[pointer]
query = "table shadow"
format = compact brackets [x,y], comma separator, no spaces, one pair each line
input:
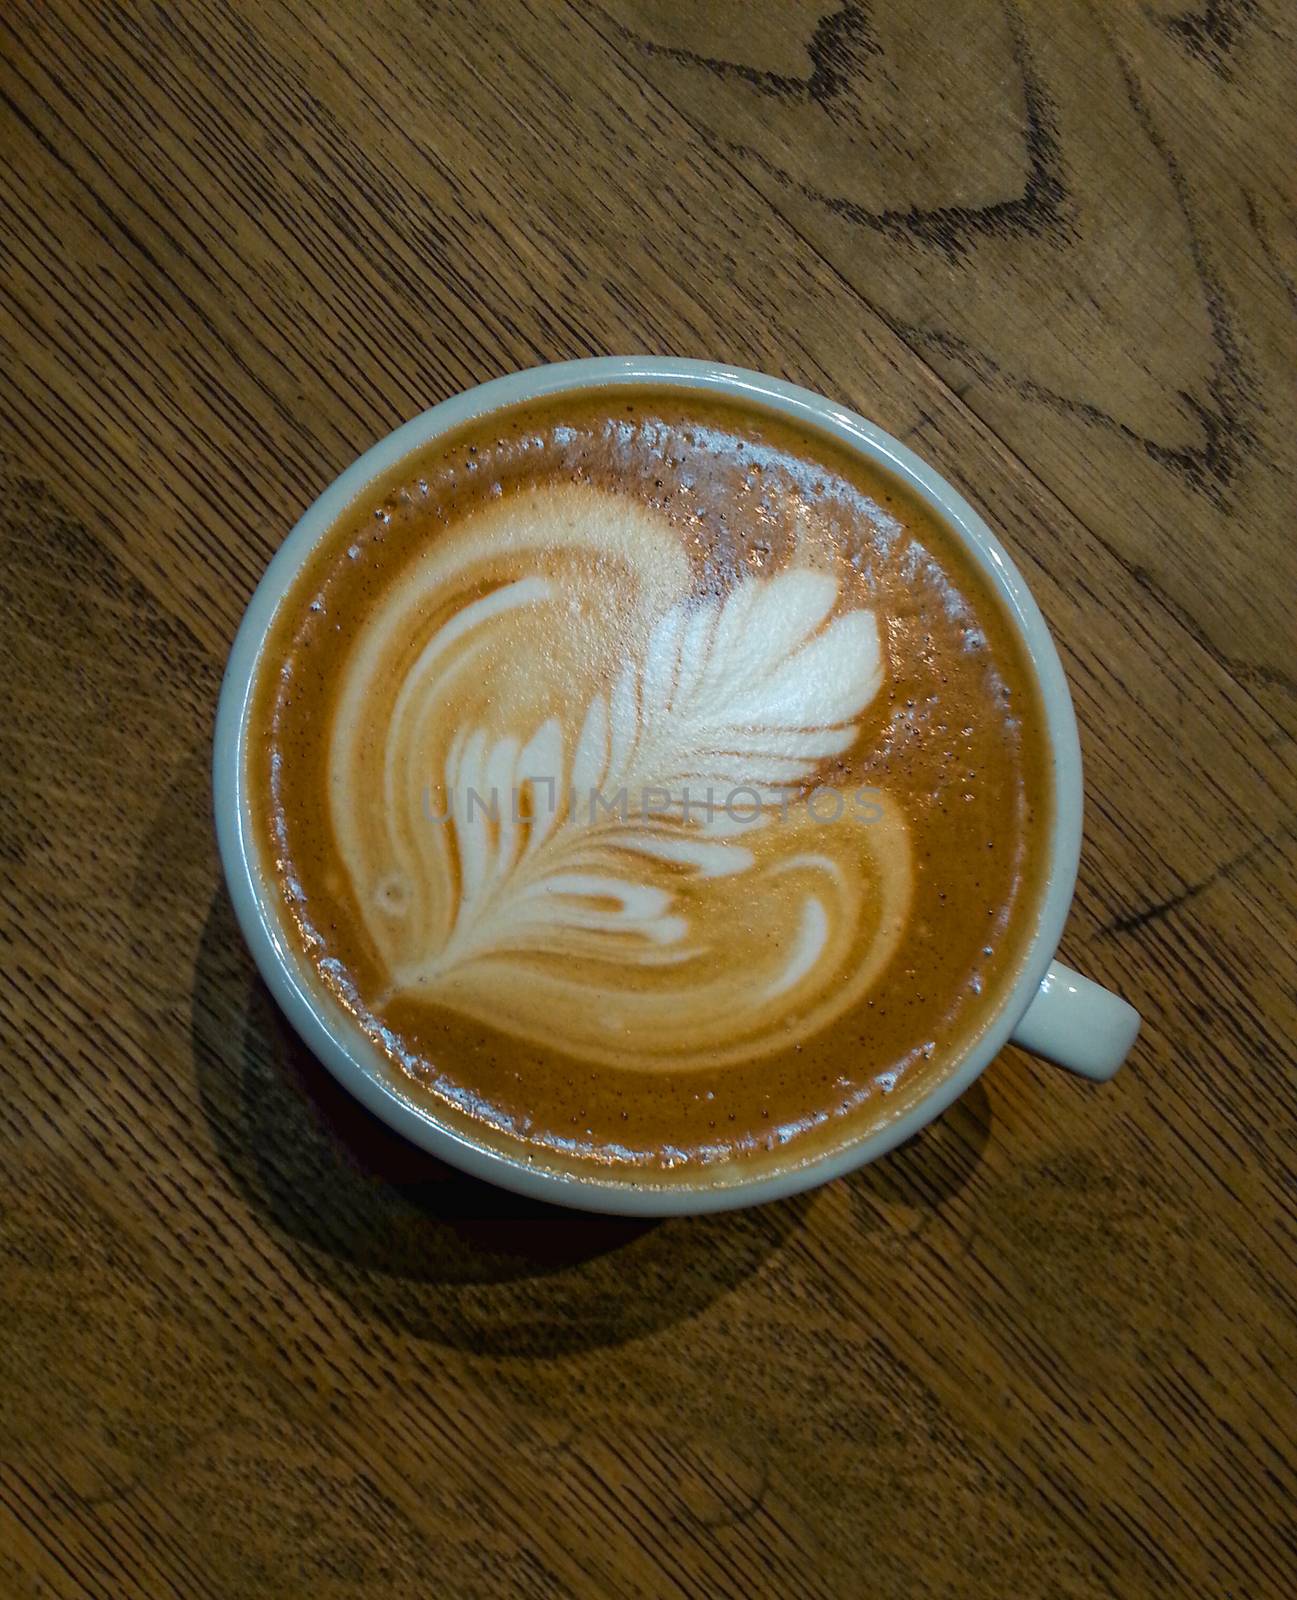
[408,1240]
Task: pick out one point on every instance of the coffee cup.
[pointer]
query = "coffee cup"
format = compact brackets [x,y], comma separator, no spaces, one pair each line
[1045,1007]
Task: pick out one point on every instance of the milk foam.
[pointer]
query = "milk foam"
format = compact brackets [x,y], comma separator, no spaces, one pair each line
[560,779]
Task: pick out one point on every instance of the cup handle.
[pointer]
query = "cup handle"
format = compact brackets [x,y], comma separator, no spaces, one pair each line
[1078,1025]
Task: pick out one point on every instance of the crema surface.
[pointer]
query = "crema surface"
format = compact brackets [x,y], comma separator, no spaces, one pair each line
[655,783]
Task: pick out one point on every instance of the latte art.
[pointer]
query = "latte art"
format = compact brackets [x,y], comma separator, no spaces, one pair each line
[649,783]
[503,709]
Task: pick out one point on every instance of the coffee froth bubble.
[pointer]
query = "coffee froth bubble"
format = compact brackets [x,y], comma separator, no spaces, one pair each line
[617,772]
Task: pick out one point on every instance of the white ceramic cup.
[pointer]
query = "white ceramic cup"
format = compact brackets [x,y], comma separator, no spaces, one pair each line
[1049,1009]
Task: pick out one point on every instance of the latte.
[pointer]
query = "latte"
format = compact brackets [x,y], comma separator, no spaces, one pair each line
[654,783]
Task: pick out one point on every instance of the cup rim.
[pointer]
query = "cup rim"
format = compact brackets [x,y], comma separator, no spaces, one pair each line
[284,970]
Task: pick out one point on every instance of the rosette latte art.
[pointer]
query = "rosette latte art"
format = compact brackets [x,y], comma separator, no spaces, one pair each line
[589,799]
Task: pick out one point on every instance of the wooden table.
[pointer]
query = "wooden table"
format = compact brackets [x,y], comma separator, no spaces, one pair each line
[255,1346]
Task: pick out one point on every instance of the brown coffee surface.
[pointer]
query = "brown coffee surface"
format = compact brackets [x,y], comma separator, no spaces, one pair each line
[484,700]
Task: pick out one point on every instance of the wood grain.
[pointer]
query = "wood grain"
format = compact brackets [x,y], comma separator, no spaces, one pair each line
[250,1342]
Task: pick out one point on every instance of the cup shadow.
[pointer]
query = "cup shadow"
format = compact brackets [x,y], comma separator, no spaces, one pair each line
[915,1184]
[407,1240]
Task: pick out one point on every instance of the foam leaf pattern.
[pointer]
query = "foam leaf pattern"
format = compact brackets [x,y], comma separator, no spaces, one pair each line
[618,873]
